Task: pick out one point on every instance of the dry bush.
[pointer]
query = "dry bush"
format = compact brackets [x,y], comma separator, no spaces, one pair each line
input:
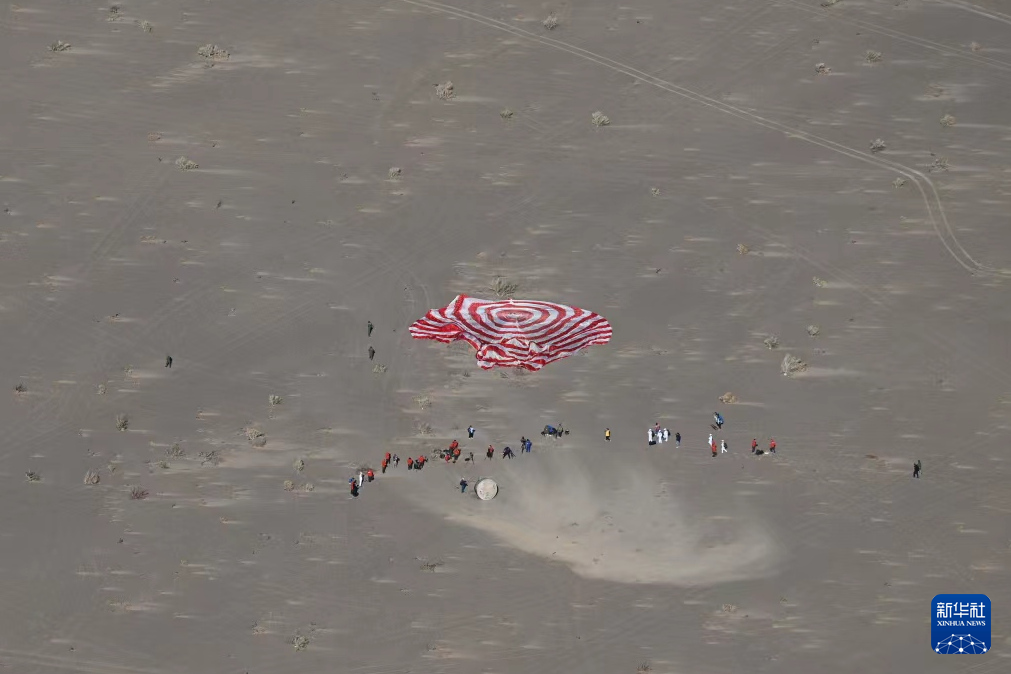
[300,642]
[791,365]
[138,494]
[146,26]
[423,428]
[184,164]
[728,398]
[899,182]
[506,113]
[299,465]
[175,451]
[394,173]
[113,12]
[378,369]
[729,608]
[742,249]
[122,422]
[503,288]
[877,145]
[307,486]
[59,46]
[813,330]
[975,46]
[423,402]
[822,69]
[871,56]
[445,91]
[599,119]
[771,342]
[100,390]
[431,566]
[828,3]
[645,667]
[91,478]
[32,476]
[551,22]
[289,485]
[819,282]
[948,120]
[256,437]
[940,164]
[655,191]
[274,400]
[213,51]
[20,388]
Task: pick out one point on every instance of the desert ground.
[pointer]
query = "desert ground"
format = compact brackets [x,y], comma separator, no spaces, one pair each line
[243,186]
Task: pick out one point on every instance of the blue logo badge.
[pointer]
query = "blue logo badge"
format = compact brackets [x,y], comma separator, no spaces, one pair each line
[960,624]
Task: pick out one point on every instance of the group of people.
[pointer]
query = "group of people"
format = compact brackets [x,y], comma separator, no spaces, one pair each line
[657,436]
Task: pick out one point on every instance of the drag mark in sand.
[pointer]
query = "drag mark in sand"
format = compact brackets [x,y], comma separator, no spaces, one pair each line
[928,192]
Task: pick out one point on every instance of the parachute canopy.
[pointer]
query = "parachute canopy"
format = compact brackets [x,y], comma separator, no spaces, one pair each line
[514,333]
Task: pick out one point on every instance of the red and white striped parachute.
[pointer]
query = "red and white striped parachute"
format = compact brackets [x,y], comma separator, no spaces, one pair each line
[514,333]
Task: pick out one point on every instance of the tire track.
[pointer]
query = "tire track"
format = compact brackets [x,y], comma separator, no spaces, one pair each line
[931,199]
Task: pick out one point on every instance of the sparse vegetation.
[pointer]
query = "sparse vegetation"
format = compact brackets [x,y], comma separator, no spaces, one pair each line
[939,164]
[378,369]
[935,90]
[175,451]
[503,288]
[299,465]
[20,388]
[655,191]
[423,428]
[728,398]
[185,164]
[307,486]
[423,402]
[771,342]
[975,46]
[871,56]
[813,330]
[828,3]
[819,282]
[742,249]
[394,173]
[289,485]
[431,566]
[599,119]
[146,26]
[899,182]
[274,400]
[138,494]
[122,422]
[214,52]
[445,91]
[32,476]
[100,390]
[948,120]
[645,667]
[791,365]
[729,608]
[300,642]
[551,22]
[822,69]
[256,437]
[59,46]
[878,145]
[91,478]
[506,113]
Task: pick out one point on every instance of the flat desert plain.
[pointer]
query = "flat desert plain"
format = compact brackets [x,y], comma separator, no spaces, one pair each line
[244,186]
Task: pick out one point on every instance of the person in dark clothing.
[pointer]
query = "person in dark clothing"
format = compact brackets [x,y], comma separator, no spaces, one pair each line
[677,440]
[463,486]
[372,353]
[491,452]
[370,328]
[507,453]
[470,431]
[168,362]
[916,468]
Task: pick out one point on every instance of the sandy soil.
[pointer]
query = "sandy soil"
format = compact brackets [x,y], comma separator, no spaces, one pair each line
[237,211]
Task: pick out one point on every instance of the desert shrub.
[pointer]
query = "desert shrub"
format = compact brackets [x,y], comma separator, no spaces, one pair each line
[599,119]
[91,478]
[791,365]
[138,494]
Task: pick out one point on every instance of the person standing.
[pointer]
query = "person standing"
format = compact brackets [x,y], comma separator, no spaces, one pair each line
[666,435]
[463,486]
[607,434]
[718,419]
[410,463]
[754,445]
[396,460]
[382,466]
[772,445]
[723,446]
[370,475]
[710,439]
[470,431]
[370,328]
[372,353]
[650,436]
[659,436]
[490,452]
[916,469]
[168,362]
[529,445]
[712,446]
[677,440]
